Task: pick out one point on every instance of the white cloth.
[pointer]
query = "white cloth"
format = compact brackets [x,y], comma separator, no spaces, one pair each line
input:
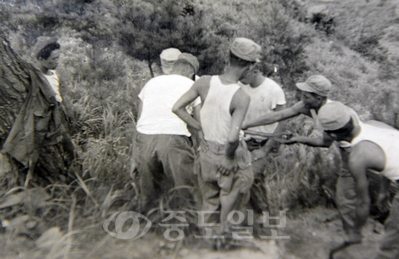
[158,97]
[215,111]
[54,82]
[388,140]
[264,99]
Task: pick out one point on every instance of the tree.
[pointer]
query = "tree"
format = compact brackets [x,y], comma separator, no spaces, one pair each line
[148,27]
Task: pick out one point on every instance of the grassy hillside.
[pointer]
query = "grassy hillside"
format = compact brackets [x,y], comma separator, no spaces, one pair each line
[354,43]
[361,57]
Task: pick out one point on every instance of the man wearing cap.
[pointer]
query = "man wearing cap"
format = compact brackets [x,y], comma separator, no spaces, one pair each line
[372,148]
[224,172]
[315,91]
[163,150]
[168,58]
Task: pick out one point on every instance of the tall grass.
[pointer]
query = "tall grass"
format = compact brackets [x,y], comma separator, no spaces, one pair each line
[299,176]
[100,85]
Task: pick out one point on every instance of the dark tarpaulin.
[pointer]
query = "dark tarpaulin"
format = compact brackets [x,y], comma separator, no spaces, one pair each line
[38,123]
[33,125]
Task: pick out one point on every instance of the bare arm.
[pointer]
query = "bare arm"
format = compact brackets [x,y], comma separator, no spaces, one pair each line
[271,143]
[238,108]
[180,107]
[358,170]
[365,155]
[324,141]
[196,135]
[273,117]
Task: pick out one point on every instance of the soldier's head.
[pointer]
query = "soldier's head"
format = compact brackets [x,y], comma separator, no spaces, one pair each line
[244,53]
[168,59]
[315,91]
[253,77]
[49,54]
[337,121]
[186,65]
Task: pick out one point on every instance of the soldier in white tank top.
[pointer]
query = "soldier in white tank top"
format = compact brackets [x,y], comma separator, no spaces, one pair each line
[225,174]
[233,191]
[388,140]
[215,112]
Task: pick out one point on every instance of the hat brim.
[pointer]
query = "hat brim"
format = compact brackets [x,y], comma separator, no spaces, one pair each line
[304,87]
[238,55]
[336,125]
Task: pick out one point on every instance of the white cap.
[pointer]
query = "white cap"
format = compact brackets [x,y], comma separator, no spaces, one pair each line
[170,54]
[168,58]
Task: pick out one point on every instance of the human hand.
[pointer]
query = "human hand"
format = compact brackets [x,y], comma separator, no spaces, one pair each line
[227,166]
[287,138]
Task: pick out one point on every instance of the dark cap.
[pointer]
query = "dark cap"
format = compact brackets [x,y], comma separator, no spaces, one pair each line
[334,115]
[246,49]
[317,84]
[191,59]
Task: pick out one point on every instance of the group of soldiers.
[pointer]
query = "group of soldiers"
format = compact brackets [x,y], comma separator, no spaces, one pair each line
[213,132]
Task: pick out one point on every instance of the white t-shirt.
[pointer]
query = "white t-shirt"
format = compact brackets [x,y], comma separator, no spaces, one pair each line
[54,82]
[264,99]
[158,97]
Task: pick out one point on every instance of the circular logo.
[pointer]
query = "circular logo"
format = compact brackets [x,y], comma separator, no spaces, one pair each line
[133,232]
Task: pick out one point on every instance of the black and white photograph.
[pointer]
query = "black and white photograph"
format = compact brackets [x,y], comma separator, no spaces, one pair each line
[191,129]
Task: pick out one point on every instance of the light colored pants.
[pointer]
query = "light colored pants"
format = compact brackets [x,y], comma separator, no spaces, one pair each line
[223,193]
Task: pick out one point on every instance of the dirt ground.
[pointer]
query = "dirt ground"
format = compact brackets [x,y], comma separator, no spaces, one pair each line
[312,233]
